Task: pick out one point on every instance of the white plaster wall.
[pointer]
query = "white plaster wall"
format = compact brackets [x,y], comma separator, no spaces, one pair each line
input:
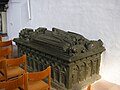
[92,18]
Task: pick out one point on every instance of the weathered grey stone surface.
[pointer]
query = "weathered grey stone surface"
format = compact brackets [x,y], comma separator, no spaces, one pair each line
[75,60]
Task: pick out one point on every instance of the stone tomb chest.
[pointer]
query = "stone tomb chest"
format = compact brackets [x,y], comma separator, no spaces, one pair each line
[74,59]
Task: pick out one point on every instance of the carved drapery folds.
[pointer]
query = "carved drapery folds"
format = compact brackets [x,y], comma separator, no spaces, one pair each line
[73,58]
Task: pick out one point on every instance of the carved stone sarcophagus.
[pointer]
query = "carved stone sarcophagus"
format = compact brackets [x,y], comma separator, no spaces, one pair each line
[74,59]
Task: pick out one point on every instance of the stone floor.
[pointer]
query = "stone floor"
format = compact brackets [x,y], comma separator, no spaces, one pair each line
[104,85]
[100,85]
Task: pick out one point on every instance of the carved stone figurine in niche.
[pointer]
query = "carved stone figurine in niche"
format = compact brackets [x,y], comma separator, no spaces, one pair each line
[88,69]
[75,74]
[94,66]
[82,73]
[63,76]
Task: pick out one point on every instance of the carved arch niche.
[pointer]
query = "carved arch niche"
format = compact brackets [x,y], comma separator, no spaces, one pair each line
[63,76]
[94,66]
[75,71]
[57,73]
[88,68]
[82,71]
